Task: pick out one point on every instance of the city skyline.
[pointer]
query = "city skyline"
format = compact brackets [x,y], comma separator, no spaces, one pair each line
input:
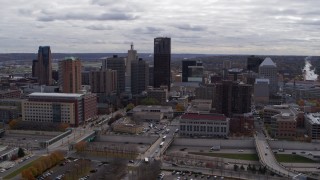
[210,27]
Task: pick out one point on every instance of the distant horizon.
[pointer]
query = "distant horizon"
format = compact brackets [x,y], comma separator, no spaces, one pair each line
[116,53]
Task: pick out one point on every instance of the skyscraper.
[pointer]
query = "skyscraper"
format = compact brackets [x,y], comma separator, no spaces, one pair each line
[70,75]
[185,69]
[42,67]
[268,69]
[253,63]
[162,60]
[103,81]
[132,56]
[139,76]
[232,98]
[118,64]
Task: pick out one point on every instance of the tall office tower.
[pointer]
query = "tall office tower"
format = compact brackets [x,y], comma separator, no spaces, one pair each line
[162,60]
[118,64]
[70,75]
[241,98]
[185,69]
[139,76]
[103,81]
[232,98]
[268,70]
[192,70]
[253,63]
[222,98]
[132,56]
[151,75]
[42,67]
[205,92]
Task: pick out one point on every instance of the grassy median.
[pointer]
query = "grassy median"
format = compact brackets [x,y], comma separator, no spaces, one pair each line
[248,157]
[18,171]
[293,158]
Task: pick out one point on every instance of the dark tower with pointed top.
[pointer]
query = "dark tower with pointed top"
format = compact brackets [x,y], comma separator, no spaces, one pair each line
[162,60]
[42,67]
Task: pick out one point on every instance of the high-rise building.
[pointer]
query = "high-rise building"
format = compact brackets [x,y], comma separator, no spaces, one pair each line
[232,98]
[103,81]
[268,70]
[261,91]
[253,63]
[162,60]
[42,67]
[70,75]
[185,69]
[192,71]
[118,64]
[139,76]
[151,75]
[132,56]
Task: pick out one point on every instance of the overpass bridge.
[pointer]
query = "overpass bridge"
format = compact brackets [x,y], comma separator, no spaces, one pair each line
[267,158]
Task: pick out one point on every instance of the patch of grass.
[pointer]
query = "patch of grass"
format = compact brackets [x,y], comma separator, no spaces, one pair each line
[18,171]
[293,158]
[248,157]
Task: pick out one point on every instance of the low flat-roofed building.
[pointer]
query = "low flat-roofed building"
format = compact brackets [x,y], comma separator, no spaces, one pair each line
[200,106]
[207,125]
[8,113]
[166,110]
[312,125]
[9,94]
[148,116]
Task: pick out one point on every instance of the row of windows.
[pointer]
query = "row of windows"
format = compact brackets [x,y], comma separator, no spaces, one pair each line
[203,122]
[203,128]
[43,120]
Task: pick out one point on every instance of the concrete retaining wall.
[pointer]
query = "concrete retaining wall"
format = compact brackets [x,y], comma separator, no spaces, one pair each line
[126,138]
[294,145]
[45,133]
[224,144]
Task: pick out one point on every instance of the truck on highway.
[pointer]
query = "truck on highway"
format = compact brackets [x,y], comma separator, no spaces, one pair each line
[146,160]
[161,144]
[164,138]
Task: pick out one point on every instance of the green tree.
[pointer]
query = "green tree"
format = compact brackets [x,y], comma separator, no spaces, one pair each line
[130,106]
[242,168]
[21,153]
[149,101]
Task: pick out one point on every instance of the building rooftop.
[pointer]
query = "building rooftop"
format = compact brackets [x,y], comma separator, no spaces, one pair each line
[285,109]
[71,58]
[214,117]
[314,118]
[268,62]
[38,94]
[261,80]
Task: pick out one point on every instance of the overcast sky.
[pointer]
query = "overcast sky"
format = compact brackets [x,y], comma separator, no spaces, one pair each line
[284,27]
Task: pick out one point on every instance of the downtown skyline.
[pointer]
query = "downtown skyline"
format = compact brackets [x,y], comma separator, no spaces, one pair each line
[210,27]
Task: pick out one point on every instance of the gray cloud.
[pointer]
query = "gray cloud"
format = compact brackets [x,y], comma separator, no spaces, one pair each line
[212,26]
[116,16]
[99,27]
[148,30]
[189,27]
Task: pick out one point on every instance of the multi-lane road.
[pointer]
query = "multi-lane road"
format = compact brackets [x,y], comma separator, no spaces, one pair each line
[267,157]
